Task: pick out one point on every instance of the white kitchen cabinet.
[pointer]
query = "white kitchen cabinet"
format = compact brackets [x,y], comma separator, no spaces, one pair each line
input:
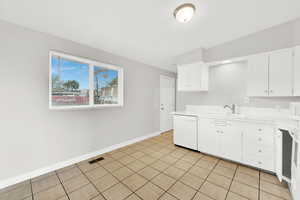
[250,143]
[271,74]
[231,142]
[220,138]
[281,73]
[208,137]
[297,71]
[259,146]
[185,131]
[192,77]
[258,69]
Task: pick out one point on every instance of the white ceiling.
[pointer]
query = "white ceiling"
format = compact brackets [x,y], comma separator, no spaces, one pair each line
[145,30]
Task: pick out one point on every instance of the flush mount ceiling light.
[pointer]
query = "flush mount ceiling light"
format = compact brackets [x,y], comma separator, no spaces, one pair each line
[184,12]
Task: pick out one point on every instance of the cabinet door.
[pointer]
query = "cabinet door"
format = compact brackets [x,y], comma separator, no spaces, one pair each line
[185,131]
[194,71]
[281,73]
[297,71]
[182,78]
[231,142]
[257,83]
[207,137]
[192,77]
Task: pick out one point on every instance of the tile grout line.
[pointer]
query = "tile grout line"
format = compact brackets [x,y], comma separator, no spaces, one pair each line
[181,177]
[116,160]
[48,188]
[31,190]
[62,185]
[121,181]
[205,180]
[259,185]
[149,180]
[149,165]
[156,159]
[232,179]
[100,194]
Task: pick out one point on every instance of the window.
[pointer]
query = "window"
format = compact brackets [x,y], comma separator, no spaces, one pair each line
[81,83]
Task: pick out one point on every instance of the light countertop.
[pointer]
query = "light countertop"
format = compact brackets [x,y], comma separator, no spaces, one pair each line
[286,121]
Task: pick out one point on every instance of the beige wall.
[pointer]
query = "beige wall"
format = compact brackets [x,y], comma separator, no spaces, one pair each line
[34,137]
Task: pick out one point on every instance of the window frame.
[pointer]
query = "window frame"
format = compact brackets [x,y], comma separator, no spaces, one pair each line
[91,65]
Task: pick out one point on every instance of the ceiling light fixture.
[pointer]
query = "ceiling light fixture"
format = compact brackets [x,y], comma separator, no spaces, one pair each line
[184,12]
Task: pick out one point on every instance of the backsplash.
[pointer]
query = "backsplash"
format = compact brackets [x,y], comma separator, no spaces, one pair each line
[217,109]
[228,85]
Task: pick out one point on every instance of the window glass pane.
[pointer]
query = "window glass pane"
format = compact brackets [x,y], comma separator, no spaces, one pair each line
[105,86]
[70,82]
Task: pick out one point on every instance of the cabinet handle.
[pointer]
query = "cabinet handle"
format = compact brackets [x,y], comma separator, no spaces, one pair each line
[259,151]
[259,162]
[259,129]
[259,139]
[271,91]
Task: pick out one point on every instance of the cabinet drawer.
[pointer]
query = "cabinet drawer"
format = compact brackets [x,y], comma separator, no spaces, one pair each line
[262,162]
[259,129]
[258,150]
[261,137]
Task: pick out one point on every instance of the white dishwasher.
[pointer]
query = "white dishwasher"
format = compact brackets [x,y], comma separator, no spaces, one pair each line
[185,131]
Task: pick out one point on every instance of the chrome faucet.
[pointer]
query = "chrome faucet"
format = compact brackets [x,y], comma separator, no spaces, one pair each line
[232,108]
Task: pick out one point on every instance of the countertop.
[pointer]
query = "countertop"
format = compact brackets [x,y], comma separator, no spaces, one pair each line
[290,122]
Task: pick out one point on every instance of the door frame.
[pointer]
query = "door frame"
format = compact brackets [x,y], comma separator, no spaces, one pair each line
[172,79]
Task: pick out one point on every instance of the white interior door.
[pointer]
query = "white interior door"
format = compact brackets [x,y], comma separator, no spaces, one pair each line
[167,102]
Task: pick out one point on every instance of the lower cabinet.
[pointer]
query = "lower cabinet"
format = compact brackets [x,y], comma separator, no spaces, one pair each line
[249,143]
[231,142]
[208,137]
[259,146]
[220,138]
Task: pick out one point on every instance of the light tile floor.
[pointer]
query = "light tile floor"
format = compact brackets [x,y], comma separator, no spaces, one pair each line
[152,169]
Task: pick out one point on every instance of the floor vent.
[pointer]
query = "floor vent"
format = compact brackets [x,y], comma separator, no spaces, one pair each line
[96,160]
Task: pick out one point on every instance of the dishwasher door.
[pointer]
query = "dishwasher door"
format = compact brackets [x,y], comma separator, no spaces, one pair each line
[185,131]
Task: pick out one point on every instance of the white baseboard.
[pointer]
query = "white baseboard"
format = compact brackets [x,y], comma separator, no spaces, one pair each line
[44,170]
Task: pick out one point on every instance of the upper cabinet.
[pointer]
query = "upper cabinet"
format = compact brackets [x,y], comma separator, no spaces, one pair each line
[297,71]
[271,74]
[192,77]
[258,70]
[281,73]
